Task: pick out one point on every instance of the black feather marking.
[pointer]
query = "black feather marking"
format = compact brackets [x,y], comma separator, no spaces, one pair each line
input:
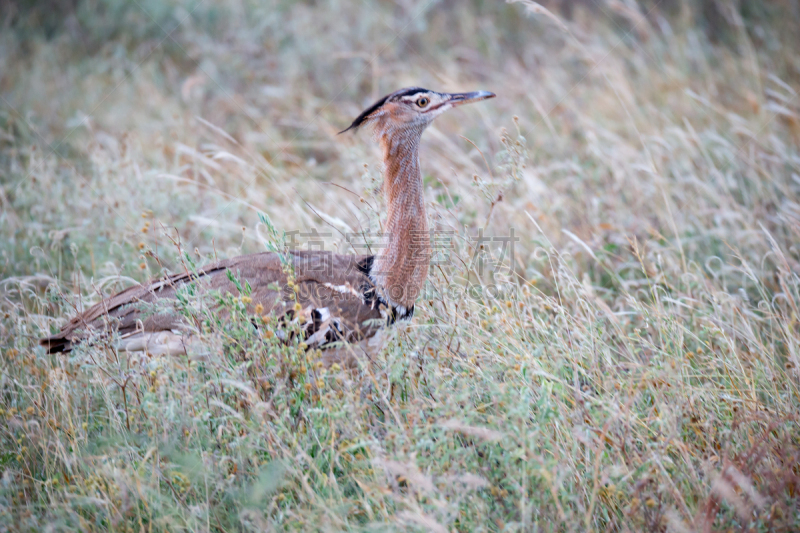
[373,299]
[407,315]
[365,265]
[334,332]
[366,113]
[411,91]
[316,317]
[360,119]
[368,289]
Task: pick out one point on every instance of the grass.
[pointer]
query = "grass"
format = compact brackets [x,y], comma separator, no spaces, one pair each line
[634,367]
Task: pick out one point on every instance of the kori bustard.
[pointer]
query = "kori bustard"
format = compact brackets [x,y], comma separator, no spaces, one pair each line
[332,297]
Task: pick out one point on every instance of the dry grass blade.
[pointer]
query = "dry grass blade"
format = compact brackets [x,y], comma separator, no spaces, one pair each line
[609,339]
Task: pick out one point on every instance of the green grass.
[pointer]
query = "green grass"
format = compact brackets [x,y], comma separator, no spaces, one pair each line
[635,368]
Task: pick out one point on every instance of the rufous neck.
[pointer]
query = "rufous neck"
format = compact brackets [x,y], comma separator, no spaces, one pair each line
[401,266]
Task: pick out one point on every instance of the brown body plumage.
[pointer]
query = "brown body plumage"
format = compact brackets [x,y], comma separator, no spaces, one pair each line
[339,296]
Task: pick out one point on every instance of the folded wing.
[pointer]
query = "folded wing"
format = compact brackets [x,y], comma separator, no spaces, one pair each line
[335,295]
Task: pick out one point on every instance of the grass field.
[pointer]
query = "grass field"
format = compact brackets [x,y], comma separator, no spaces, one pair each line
[634,366]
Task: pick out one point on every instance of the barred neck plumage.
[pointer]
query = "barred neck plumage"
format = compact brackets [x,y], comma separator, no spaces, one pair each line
[398,120]
[401,266]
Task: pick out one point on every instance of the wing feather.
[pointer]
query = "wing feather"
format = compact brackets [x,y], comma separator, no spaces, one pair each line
[323,280]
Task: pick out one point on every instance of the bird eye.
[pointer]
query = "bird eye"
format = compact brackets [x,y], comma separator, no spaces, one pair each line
[422,102]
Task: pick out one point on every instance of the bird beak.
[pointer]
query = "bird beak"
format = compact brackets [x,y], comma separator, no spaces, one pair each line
[457,99]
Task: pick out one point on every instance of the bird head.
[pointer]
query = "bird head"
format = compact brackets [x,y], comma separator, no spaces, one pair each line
[412,108]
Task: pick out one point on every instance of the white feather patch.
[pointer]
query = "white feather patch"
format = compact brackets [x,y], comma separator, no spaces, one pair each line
[344,289]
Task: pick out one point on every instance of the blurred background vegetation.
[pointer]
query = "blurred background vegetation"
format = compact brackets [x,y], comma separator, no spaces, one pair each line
[94,22]
[639,369]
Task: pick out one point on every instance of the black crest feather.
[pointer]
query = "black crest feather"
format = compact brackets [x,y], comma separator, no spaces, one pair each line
[360,119]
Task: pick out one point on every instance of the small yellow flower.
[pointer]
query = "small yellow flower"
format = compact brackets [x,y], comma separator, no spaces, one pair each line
[297,307]
[259,309]
[246,300]
[269,334]
[140,246]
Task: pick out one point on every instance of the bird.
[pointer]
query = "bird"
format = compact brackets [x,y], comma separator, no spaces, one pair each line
[333,299]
